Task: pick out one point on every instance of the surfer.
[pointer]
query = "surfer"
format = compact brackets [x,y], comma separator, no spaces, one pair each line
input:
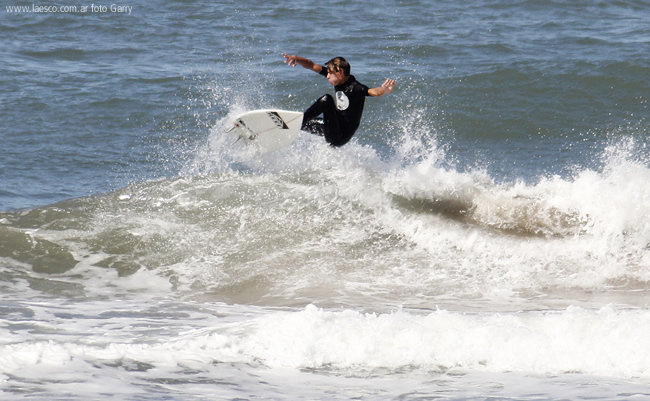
[341,116]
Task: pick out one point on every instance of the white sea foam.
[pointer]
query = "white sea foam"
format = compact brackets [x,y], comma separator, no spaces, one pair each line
[608,342]
[315,224]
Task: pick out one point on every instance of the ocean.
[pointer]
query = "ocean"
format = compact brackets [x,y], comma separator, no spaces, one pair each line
[484,236]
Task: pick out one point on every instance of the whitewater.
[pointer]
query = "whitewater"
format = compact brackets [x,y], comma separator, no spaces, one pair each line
[320,264]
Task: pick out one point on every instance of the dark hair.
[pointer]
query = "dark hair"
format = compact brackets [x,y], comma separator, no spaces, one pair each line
[337,64]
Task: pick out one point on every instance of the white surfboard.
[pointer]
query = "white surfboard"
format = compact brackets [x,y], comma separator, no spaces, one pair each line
[268,129]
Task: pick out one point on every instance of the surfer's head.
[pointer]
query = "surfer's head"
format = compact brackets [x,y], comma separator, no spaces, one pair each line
[338,64]
[338,71]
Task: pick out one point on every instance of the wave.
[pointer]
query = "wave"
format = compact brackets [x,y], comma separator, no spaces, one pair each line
[607,342]
[350,223]
[538,342]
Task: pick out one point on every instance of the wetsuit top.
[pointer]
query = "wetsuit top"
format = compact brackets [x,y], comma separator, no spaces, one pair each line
[350,98]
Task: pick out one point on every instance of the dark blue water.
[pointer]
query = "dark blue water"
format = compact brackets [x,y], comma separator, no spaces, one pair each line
[96,100]
[484,235]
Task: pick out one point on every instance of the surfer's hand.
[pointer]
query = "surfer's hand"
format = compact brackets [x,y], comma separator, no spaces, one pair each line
[384,89]
[303,62]
[292,61]
[388,85]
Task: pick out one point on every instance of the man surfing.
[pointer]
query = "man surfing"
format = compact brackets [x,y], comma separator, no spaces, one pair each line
[341,116]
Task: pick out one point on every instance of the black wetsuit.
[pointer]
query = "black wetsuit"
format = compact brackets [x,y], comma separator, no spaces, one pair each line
[341,116]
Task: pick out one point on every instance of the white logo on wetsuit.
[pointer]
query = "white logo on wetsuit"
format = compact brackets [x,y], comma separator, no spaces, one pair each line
[342,101]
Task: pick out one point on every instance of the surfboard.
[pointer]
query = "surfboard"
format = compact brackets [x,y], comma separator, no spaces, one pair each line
[268,129]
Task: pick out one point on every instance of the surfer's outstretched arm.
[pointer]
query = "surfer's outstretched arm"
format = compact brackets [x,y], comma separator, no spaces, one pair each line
[384,89]
[304,62]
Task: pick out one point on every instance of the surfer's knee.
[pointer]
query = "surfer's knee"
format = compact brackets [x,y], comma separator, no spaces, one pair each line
[326,99]
[314,126]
